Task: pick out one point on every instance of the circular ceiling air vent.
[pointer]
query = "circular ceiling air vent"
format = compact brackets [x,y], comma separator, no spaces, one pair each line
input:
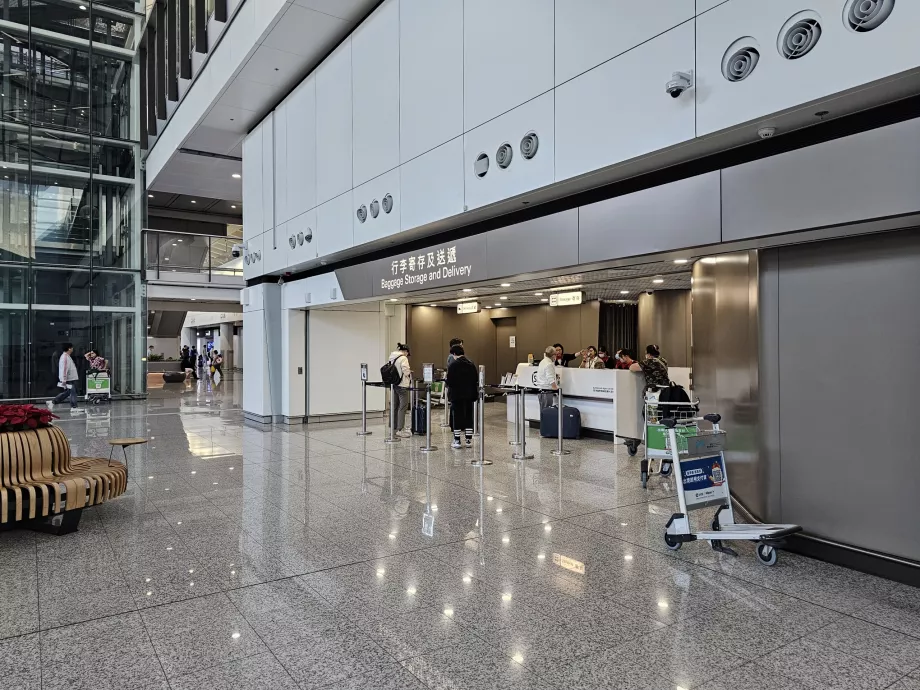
[387,203]
[299,239]
[308,235]
[481,165]
[529,145]
[740,59]
[362,213]
[375,208]
[504,155]
[246,258]
[864,15]
[292,241]
[799,35]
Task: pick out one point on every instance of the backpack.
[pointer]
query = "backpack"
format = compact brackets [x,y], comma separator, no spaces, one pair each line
[391,374]
[675,393]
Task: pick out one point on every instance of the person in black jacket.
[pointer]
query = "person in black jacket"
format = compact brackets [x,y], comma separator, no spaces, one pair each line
[462,391]
[562,359]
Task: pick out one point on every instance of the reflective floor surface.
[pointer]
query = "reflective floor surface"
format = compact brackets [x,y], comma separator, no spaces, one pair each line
[315,558]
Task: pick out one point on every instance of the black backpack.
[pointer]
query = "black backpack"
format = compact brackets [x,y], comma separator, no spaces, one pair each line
[391,374]
[675,393]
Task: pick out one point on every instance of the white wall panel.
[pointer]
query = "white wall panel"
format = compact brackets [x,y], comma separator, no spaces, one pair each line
[268,173]
[522,175]
[589,32]
[333,124]
[706,5]
[430,74]
[279,171]
[304,223]
[841,60]
[334,230]
[323,289]
[275,248]
[252,184]
[432,185]
[620,110]
[375,93]
[384,224]
[255,267]
[301,148]
[507,55]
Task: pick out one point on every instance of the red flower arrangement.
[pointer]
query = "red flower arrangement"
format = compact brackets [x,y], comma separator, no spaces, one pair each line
[24,417]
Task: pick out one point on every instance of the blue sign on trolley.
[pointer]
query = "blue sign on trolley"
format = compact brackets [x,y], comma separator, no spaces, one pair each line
[704,480]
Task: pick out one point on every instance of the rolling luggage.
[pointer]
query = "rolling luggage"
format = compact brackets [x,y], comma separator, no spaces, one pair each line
[549,422]
[419,420]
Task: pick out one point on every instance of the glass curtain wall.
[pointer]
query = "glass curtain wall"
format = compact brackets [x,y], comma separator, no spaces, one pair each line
[70,192]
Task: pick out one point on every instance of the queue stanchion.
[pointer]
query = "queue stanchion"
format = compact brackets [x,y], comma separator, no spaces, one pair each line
[428,375]
[364,431]
[521,402]
[516,441]
[392,437]
[446,423]
[478,418]
[477,406]
[559,450]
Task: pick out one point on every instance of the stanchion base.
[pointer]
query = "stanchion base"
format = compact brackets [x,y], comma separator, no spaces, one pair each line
[392,440]
[363,433]
[518,456]
[445,426]
[561,452]
[428,449]
[480,463]
[514,443]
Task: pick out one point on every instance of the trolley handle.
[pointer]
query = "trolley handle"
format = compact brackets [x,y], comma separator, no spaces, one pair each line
[670,422]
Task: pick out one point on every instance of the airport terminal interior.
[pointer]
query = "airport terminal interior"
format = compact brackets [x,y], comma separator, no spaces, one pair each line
[401,344]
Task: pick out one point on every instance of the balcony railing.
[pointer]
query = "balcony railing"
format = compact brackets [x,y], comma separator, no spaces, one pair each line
[168,253]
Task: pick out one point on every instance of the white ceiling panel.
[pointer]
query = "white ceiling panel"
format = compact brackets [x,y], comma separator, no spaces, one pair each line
[273,67]
[213,140]
[230,119]
[247,94]
[351,10]
[307,33]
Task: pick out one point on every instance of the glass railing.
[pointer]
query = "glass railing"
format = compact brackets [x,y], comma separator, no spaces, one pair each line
[171,252]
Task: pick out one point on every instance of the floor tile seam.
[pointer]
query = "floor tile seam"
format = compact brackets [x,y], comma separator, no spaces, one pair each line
[858,656]
[880,625]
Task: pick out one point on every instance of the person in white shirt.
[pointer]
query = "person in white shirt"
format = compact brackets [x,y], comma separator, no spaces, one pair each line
[400,357]
[546,376]
[68,378]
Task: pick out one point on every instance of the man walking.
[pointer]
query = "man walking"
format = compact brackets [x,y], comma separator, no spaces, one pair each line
[68,378]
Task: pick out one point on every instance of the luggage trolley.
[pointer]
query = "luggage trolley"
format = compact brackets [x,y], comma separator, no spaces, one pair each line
[703,482]
[98,387]
[657,445]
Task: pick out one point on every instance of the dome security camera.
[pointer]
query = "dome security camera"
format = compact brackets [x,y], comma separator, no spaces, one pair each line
[236,251]
[680,82]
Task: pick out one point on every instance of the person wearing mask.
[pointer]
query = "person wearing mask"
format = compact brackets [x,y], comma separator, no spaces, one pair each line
[546,376]
[400,358]
[655,367]
[623,359]
[68,378]
[462,391]
[605,357]
[589,359]
[560,358]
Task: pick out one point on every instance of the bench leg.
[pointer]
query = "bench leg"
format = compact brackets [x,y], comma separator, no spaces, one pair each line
[111,451]
[61,524]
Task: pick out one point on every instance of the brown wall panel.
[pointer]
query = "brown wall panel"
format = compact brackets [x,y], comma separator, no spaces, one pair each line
[664,320]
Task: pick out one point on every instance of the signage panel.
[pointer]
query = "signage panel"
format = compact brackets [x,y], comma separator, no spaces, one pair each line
[704,480]
[468,308]
[452,263]
[565,299]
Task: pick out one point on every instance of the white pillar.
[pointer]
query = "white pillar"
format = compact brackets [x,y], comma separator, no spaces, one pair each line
[293,365]
[226,343]
[262,352]
[188,337]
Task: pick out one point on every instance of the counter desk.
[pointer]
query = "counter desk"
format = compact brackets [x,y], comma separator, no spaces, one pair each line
[606,398]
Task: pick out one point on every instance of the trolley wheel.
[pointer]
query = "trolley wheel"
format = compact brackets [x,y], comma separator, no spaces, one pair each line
[716,527]
[766,554]
[666,468]
[671,542]
[644,479]
[632,447]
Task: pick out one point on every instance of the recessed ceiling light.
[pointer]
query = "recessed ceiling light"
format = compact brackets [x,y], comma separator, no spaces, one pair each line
[506,285]
[488,307]
[175,245]
[681,261]
[232,206]
[545,299]
[502,298]
[467,289]
[658,281]
[236,176]
[193,299]
[432,305]
[498,304]
[538,294]
[393,299]
[150,196]
[565,287]
[624,292]
[82,7]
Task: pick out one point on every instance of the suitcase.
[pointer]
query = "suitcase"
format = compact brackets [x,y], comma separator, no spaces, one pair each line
[419,420]
[549,422]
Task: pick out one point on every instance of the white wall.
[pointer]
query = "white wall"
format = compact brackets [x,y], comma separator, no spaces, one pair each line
[168,347]
[407,104]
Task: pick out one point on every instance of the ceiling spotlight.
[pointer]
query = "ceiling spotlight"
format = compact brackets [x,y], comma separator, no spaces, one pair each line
[393,299]
[565,287]
[180,240]
[232,206]
[432,305]
[658,281]
[82,7]
[544,299]
[236,176]
[506,285]
[681,261]
[502,298]
[467,289]
[150,196]
[498,304]
[194,202]
[624,292]
[538,294]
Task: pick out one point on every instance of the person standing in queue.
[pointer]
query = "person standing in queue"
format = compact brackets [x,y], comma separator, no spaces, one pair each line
[400,358]
[450,355]
[560,358]
[546,376]
[462,391]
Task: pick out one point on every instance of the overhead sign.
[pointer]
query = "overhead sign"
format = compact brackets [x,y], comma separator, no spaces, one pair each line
[468,308]
[565,299]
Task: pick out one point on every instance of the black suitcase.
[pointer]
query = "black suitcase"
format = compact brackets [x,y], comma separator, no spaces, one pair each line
[419,420]
[549,422]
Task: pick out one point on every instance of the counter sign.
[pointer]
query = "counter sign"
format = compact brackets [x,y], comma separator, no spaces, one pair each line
[566,299]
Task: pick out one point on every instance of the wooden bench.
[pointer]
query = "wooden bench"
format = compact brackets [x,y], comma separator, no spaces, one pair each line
[45,488]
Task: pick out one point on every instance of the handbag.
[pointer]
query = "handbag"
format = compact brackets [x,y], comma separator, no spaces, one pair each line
[213,369]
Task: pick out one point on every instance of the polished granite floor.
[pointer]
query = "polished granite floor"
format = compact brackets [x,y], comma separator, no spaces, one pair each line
[317,559]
